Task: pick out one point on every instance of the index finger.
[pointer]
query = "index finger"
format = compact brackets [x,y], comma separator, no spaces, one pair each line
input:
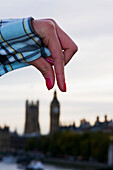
[68,45]
[58,59]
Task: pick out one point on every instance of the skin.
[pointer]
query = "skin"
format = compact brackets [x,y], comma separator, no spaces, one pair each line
[62,49]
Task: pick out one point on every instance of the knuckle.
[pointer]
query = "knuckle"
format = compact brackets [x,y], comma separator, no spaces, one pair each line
[50,25]
[52,20]
[74,48]
[44,71]
[58,75]
[59,61]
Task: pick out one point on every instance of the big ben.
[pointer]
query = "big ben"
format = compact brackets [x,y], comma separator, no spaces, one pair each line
[54,114]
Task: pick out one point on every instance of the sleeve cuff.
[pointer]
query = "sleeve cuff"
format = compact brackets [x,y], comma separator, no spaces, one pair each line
[15,28]
[19,44]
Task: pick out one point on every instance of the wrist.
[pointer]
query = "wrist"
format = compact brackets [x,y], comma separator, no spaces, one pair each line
[33,24]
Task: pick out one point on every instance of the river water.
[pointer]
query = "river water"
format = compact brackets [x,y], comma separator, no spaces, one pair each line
[13,166]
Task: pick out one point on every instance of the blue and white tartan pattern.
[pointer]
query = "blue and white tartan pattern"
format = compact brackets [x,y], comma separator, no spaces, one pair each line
[19,44]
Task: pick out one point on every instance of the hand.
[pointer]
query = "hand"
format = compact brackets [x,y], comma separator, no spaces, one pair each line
[62,49]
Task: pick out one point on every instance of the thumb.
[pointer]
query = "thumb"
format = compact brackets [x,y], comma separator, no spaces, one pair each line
[47,71]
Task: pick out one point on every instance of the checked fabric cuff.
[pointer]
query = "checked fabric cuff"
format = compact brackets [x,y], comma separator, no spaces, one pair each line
[19,44]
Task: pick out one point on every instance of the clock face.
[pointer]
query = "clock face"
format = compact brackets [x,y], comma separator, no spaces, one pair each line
[55,109]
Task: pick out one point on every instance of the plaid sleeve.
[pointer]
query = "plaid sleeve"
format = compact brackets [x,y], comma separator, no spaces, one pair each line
[19,44]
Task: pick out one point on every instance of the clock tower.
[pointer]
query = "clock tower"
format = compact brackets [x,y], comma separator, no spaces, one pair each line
[54,114]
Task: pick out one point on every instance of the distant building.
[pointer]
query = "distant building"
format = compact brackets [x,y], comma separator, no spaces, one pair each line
[17,142]
[54,114]
[4,138]
[85,125]
[68,128]
[105,126]
[32,118]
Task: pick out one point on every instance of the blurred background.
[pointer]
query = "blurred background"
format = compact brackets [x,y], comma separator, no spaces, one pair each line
[89,75]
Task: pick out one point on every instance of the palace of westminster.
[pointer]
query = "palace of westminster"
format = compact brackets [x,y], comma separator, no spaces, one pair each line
[32,126]
[32,116]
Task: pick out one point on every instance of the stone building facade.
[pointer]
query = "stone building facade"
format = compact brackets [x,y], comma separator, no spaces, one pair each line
[54,114]
[32,118]
[4,138]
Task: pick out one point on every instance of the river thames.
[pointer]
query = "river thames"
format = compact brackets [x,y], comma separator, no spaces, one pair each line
[13,166]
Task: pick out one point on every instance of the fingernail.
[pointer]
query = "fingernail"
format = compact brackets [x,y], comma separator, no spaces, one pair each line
[51,62]
[64,86]
[48,83]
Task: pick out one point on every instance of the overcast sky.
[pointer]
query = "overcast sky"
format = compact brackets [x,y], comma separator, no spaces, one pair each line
[89,75]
